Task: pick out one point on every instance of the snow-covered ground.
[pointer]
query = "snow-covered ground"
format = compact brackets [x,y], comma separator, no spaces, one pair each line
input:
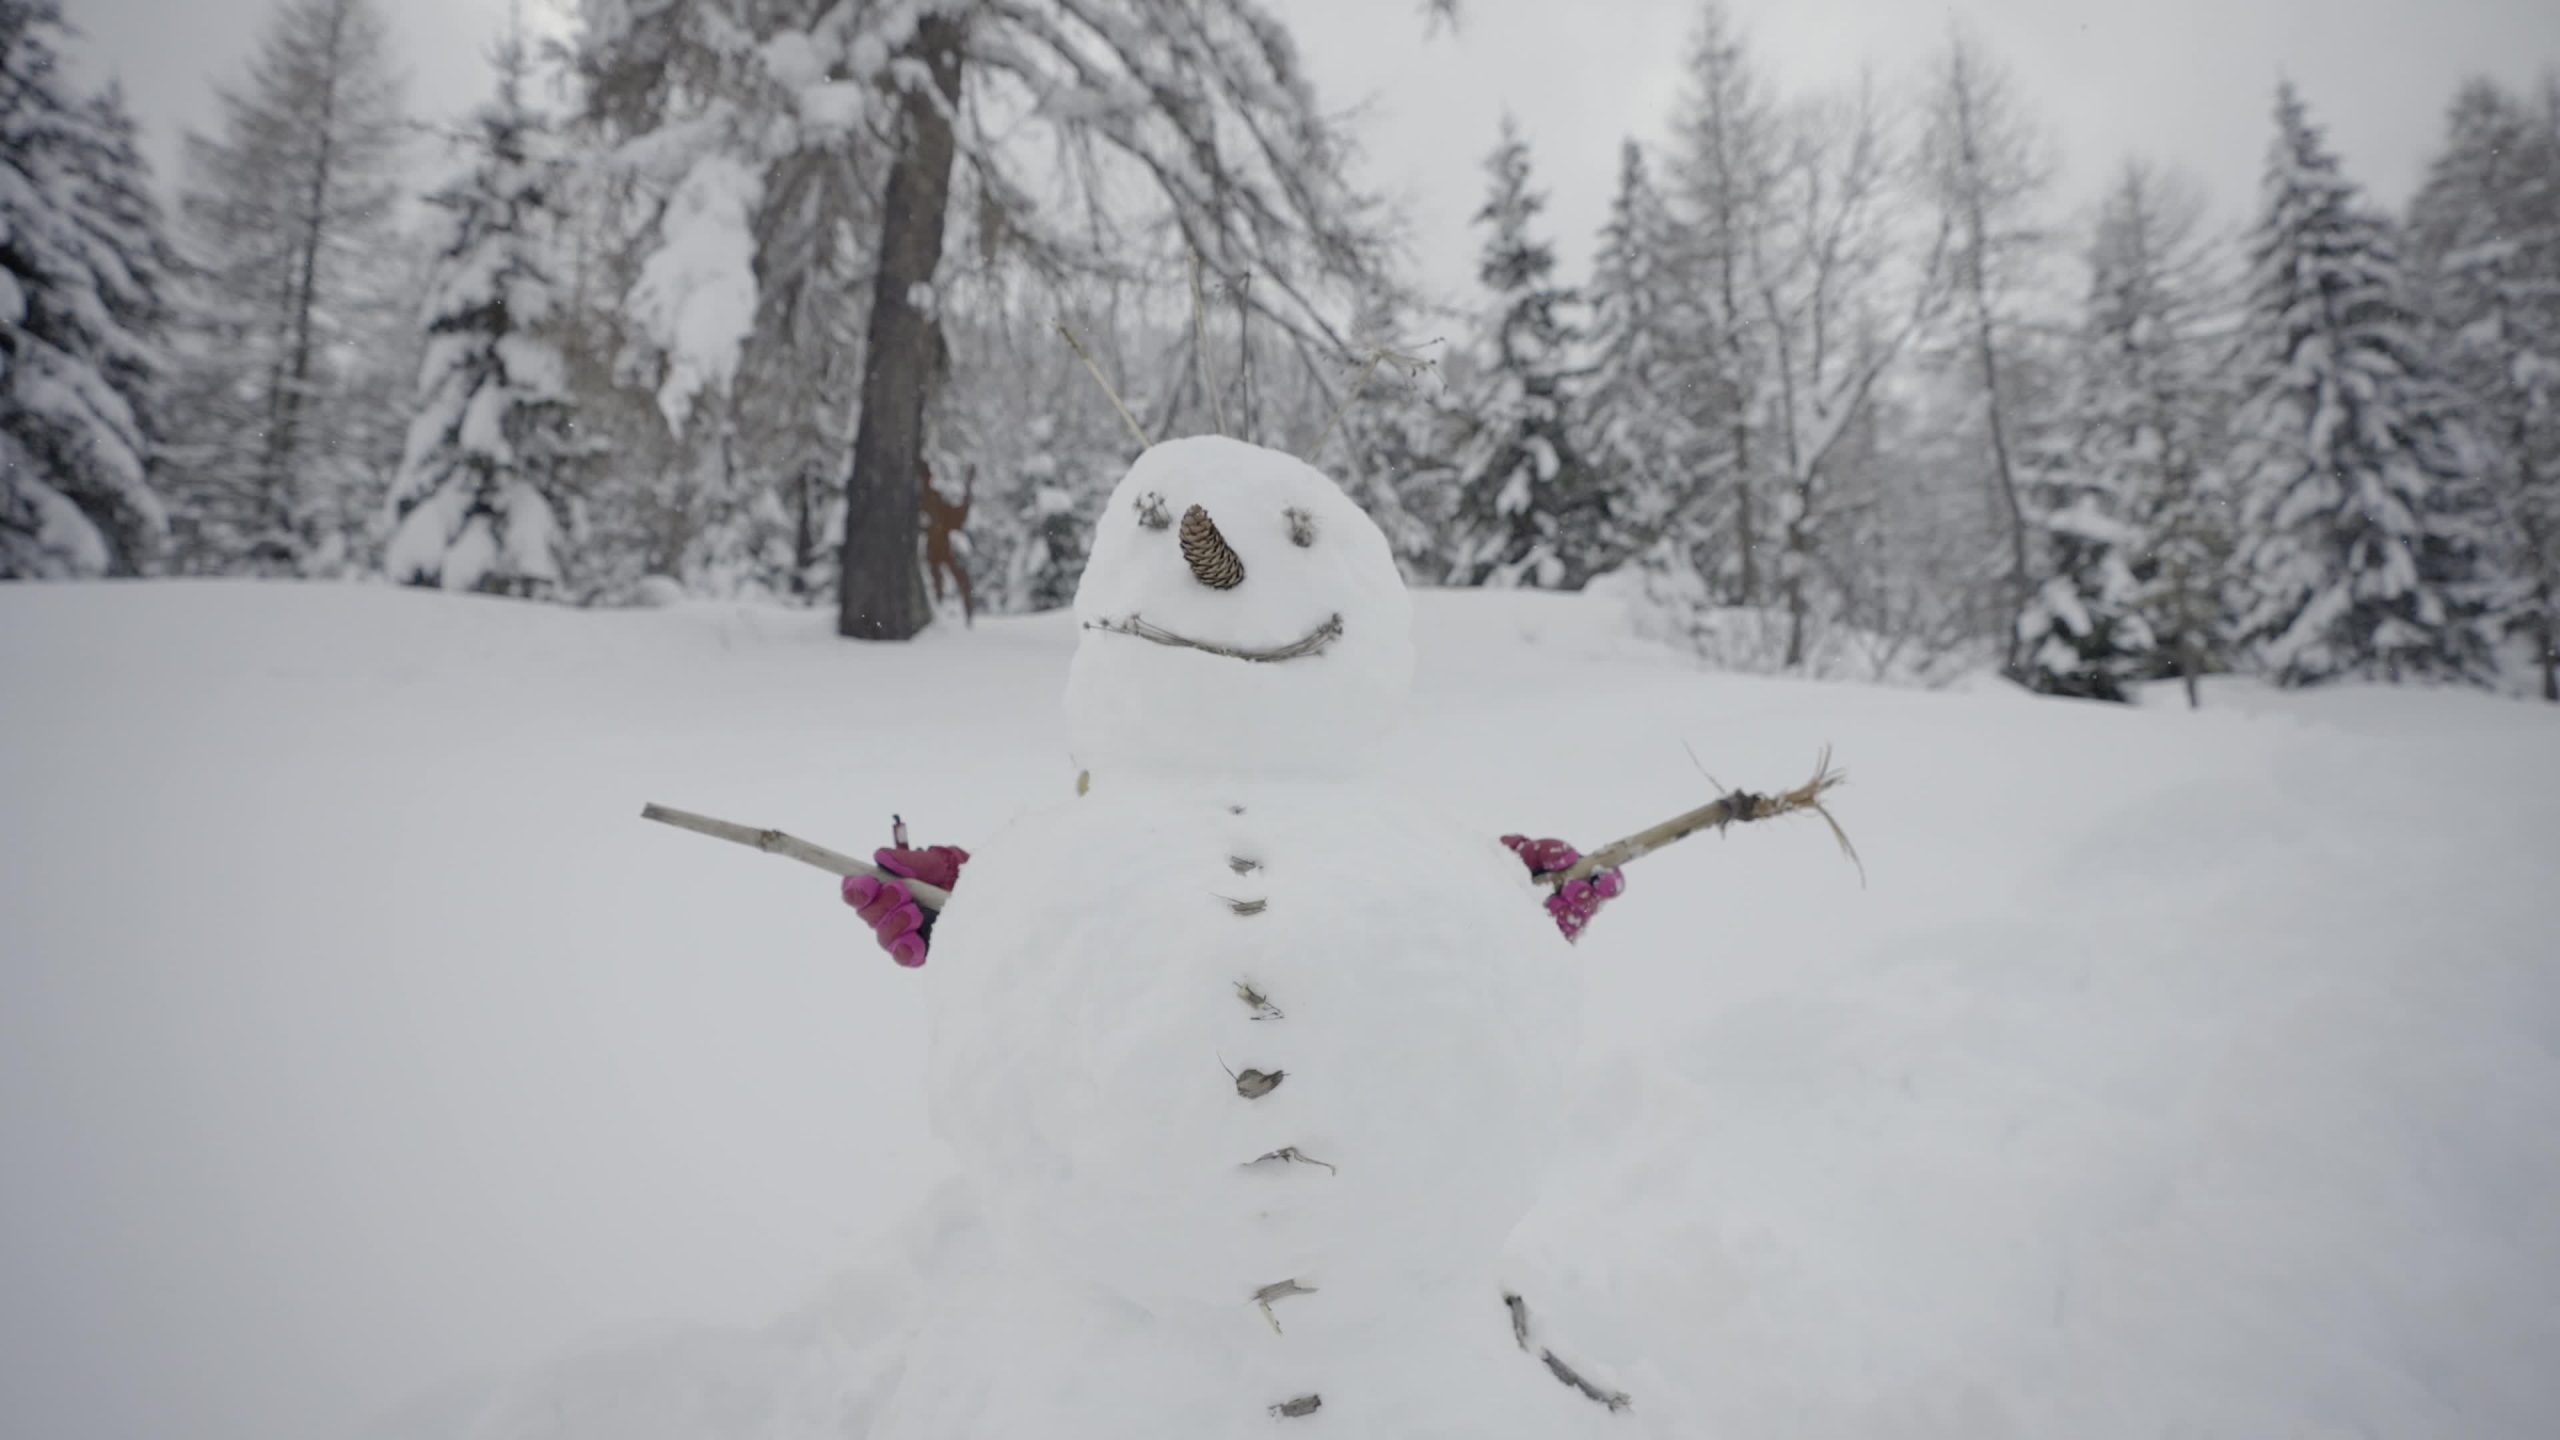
[2173,1074]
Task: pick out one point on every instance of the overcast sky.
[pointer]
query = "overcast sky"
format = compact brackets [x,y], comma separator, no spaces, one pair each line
[2187,82]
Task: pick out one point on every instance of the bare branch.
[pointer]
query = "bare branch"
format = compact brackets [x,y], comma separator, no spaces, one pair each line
[1200,344]
[774,842]
[1614,1400]
[1739,807]
[1087,357]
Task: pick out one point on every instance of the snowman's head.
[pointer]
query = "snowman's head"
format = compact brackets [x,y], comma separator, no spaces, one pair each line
[1239,616]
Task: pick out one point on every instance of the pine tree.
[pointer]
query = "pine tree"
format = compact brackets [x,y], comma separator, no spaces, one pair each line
[1401,438]
[493,451]
[1528,512]
[2365,536]
[1390,434]
[1634,420]
[1046,569]
[2485,247]
[731,254]
[82,272]
[2128,542]
[2082,632]
[290,222]
[798,371]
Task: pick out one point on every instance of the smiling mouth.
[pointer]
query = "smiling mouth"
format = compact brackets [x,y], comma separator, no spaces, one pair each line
[1313,642]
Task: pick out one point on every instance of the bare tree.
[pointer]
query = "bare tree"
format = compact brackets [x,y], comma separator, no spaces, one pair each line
[1725,152]
[1203,104]
[288,212]
[1984,164]
[1837,309]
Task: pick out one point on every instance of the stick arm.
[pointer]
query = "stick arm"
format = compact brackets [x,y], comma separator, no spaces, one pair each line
[774,842]
[1738,807]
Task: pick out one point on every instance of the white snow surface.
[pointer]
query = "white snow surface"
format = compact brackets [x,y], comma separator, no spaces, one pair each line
[368,1068]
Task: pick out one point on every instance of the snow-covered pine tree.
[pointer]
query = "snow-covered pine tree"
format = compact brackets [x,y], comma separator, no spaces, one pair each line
[1391,432]
[290,215]
[136,230]
[1401,440]
[1059,511]
[1528,512]
[2364,532]
[493,449]
[82,270]
[2124,508]
[799,370]
[1633,419]
[2484,235]
[736,170]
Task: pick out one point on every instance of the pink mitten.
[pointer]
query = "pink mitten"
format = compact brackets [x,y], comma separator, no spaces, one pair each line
[903,927]
[1576,901]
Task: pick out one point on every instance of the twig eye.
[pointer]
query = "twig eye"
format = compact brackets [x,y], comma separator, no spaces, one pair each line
[1152,512]
[1302,527]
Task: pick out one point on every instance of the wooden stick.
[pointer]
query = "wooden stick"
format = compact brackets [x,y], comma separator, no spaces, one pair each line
[1098,378]
[1200,347]
[1614,1400]
[1738,807]
[774,842]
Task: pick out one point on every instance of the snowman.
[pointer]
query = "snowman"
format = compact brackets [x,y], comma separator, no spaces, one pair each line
[1250,1065]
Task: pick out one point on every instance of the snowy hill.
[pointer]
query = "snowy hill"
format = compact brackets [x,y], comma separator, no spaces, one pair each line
[2173,1073]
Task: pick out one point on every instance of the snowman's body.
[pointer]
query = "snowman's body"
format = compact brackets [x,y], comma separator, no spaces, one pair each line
[1238,1024]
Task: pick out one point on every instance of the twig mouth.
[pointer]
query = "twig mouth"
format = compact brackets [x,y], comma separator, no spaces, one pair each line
[1311,643]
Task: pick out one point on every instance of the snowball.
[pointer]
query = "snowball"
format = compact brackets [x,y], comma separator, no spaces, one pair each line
[1144,706]
[1084,992]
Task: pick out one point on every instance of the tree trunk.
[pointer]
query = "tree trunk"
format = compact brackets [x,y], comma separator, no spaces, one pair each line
[1743,521]
[1796,559]
[804,528]
[2002,472]
[2547,641]
[1971,169]
[880,594]
[1740,429]
[292,385]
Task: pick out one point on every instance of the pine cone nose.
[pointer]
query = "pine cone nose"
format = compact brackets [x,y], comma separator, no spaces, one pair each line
[1212,560]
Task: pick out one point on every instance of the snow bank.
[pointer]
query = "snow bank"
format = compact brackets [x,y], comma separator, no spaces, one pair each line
[2174,1073]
